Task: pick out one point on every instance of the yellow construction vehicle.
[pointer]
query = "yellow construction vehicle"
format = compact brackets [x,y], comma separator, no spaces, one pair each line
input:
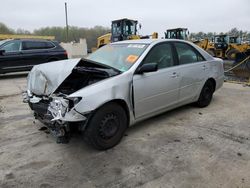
[226,47]
[177,33]
[182,33]
[236,46]
[223,46]
[206,45]
[122,29]
[7,36]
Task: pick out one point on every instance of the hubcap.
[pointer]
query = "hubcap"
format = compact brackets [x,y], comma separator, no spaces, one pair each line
[109,126]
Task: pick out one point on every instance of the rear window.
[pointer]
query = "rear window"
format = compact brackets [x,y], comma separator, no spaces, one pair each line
[34,45]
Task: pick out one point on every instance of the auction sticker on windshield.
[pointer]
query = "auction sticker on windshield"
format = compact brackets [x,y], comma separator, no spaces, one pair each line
[132,58]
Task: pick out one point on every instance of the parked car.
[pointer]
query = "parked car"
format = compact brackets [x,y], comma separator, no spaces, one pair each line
[23,54]
[120,84]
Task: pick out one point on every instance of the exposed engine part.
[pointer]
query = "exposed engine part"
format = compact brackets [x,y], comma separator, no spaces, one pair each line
[83,76]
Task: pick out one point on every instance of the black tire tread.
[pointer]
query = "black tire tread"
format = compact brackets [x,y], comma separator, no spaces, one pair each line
[90,136]
[201,102]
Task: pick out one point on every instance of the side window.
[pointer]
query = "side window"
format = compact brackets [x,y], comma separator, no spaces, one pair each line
[162,55]
[187,54]
[34,45]
[49,45]
[12,46]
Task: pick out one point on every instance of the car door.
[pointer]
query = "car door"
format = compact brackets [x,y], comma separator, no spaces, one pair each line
[193,71]
[34,52]
[155,91]
[11,56]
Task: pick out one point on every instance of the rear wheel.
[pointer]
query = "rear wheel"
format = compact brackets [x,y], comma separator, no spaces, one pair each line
[106,127]
[206,94]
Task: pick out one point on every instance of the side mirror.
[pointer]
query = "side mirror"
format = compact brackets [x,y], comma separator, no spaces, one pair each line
[2,52]
[149,67]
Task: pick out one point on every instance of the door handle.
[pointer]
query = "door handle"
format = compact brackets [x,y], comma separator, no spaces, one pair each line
[174,75]
[204,67]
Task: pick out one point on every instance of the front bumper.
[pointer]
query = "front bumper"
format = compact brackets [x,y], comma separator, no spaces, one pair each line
[53,109]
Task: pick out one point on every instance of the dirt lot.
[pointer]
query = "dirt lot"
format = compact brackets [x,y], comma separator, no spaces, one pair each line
[187,147]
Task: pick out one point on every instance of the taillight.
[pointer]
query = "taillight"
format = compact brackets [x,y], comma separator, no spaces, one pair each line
[65,53]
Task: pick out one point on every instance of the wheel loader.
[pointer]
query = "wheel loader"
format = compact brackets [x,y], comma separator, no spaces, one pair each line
[223,46]
[177,33]
[182,33]
[122,29]
[226,47]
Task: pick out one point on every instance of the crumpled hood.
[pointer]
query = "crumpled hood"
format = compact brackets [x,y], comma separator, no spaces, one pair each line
[45,78]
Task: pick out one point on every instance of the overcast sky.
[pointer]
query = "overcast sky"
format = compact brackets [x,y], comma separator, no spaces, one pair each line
[154,15]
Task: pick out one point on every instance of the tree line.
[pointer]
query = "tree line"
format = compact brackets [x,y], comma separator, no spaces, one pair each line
[75,33]
[91,34]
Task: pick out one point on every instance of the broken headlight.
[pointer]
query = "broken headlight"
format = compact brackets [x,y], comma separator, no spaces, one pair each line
[58,107]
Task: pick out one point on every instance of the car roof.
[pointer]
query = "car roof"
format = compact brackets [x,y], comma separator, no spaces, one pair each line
[28,39]
[147,41]
[155,41]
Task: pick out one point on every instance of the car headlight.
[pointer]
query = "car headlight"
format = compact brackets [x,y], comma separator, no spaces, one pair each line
[58,107]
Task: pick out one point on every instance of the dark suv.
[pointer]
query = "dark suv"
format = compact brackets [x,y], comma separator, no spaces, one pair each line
[23,54]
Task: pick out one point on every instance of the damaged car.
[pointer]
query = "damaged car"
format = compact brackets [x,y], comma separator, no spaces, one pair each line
[119,85]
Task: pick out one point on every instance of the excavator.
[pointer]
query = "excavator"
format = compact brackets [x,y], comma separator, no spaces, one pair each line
[122,29]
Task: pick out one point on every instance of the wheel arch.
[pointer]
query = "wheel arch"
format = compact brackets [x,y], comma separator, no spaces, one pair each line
[121,102]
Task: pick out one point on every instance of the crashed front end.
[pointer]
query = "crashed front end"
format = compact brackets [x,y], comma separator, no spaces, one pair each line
[49,92]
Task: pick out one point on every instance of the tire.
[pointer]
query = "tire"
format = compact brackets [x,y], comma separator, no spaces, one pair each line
[106,127]
[206,95]
[231,54]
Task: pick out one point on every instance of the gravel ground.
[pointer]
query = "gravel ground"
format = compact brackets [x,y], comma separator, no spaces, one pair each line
[186,147]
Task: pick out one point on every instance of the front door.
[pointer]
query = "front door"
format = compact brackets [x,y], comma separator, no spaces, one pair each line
[158,90]
[11,57]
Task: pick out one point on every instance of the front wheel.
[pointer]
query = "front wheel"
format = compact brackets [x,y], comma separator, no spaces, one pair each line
[106,127]
[231,54]
[206,95]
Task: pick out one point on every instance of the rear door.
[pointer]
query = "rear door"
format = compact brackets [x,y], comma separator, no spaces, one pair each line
[155,91]
[193,71]
[35,52]
[11,58]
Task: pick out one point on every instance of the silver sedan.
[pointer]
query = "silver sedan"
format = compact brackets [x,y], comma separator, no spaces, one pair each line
[120,84]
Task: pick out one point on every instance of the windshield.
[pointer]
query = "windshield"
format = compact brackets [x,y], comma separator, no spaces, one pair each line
[118,56]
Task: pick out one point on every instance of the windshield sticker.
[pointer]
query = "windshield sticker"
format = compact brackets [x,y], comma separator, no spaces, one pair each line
[136,46]
[132,58]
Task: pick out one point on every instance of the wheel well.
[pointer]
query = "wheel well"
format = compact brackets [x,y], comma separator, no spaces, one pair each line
[121,103]
[212,80]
